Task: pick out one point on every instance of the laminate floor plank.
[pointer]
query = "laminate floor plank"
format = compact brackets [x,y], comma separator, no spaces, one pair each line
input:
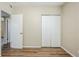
[35,52]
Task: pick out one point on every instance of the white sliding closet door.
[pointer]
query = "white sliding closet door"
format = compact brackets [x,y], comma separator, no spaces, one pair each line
[51,33]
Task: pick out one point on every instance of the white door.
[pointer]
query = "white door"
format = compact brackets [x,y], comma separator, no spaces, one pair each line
[51,33]
[16,31]
[45,32]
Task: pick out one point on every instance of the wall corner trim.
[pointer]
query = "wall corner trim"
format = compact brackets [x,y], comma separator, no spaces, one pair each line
[68,51]
[32,46]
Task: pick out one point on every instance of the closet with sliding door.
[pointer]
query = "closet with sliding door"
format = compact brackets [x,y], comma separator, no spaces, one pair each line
[51,30]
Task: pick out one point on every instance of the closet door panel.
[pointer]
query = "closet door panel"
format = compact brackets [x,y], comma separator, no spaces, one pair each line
[45,32]
[56,31]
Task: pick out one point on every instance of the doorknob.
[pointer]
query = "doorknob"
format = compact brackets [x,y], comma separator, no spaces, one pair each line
[21,33]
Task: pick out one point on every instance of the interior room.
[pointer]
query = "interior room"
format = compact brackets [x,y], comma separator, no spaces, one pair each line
[39,29]
[4,30]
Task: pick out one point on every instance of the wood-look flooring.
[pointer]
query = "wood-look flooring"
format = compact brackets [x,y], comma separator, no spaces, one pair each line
[35,52]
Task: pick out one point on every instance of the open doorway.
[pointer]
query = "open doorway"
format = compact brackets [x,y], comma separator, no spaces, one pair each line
[5,42]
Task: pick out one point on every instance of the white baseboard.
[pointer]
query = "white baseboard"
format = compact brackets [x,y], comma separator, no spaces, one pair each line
[68,51]
[32,46]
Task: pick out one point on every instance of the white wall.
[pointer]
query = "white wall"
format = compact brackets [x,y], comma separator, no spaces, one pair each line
[32,22]
[70,28]
[5,6]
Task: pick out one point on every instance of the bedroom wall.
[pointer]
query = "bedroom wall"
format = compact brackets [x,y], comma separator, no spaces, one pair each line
[32,22]
[70,28]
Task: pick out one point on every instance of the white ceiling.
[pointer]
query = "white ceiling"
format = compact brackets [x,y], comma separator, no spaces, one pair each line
[37,3]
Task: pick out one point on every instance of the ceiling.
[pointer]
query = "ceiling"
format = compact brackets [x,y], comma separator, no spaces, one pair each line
[37,3]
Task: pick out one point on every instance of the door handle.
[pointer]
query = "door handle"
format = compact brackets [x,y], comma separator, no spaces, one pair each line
[21,33]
